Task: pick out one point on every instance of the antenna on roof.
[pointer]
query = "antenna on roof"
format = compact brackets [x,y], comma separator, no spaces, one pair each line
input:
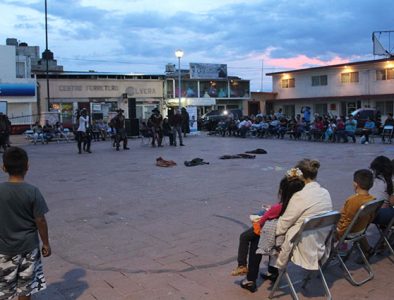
[383,45]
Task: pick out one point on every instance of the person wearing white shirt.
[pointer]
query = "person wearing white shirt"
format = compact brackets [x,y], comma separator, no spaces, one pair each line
[82,132]
[382,188]
[312,200]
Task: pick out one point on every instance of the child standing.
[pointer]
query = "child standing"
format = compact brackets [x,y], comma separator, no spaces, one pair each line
[22,210]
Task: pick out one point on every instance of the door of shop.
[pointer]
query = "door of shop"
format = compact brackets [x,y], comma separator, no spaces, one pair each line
[253,108]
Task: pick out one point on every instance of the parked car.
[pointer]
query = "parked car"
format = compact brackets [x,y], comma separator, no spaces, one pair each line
[210,120]
[362,114]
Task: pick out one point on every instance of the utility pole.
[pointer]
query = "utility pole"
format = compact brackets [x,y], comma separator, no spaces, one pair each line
[262,75]
[47,54]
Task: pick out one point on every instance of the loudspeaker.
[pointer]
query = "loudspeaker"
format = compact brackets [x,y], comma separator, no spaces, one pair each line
[132,108]
[132,127]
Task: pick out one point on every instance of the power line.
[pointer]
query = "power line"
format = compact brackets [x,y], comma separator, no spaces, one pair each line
[154,64]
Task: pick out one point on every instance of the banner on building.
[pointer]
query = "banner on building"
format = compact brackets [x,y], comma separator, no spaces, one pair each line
[192,111]
[3,107]
[14,89]
[208,71]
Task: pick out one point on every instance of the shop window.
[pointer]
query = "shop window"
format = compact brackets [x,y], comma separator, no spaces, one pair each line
[189,89]
[239,89]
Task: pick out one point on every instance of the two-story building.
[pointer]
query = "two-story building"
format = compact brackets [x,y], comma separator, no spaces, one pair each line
[19,92]
[206,86]
[336,89]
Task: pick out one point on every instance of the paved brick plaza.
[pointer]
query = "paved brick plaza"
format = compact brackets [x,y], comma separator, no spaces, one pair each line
[122,228]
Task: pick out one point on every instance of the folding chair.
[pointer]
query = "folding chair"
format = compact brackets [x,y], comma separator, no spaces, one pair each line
[385,235]
[327,220]
[145,137]
[387,133]
[368,210]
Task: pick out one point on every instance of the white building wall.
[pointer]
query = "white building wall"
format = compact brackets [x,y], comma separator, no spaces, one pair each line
[367,85]
[17,106]
[7,63]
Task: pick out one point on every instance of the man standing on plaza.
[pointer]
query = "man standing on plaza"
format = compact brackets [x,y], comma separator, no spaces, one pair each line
[83,135]
[155,123]
[176,124]
[118,122]
[185,121]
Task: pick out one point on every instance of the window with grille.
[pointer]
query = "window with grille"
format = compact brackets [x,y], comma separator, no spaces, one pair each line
[288,83]
[385,74]
[385,107]
[350,77]
[321,108]
[289,110]
[319,80]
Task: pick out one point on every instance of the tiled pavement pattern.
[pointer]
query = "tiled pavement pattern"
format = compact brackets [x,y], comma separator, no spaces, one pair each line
[122,228]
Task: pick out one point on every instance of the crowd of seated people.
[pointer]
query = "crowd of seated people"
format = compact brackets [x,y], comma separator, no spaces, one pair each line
[100,130]
[322,128]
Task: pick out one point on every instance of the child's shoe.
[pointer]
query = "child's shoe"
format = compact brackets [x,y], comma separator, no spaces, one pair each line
[271,275]
[240,270]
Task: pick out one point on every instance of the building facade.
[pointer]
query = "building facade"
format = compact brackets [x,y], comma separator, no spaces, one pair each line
[18,93]
[337,89]
[100,93]
[206,86]
[19,96]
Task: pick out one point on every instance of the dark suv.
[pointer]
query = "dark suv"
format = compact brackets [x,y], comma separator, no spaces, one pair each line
[210,120]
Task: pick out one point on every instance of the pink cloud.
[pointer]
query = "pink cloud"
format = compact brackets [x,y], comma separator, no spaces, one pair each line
[302,61]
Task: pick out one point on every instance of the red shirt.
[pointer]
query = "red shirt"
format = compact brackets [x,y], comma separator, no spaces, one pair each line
[270,214]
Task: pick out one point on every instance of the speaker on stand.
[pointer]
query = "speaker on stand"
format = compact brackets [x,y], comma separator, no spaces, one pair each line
[132,107]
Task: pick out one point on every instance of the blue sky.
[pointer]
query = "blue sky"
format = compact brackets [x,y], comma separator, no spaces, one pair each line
[251,37]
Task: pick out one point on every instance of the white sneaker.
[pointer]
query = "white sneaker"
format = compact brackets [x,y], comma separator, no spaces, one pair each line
[254,218]
[366,143]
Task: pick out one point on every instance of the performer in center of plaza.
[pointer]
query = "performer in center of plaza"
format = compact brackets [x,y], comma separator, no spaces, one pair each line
[83,135]
[155,123]
[118,122]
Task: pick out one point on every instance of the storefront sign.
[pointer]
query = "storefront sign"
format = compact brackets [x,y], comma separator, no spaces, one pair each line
[133,91]
[97,89]
[3,107]
[208,71]
[80,88]
[201,101]
[14,89]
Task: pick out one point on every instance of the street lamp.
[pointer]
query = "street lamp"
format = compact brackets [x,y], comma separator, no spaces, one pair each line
[179,54]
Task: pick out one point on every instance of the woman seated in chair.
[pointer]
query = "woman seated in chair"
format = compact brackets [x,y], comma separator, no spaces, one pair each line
[312,200]
[249,239]
[369,128]
[382,189]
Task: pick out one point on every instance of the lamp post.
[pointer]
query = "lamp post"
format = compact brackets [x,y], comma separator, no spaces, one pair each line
[179,54]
